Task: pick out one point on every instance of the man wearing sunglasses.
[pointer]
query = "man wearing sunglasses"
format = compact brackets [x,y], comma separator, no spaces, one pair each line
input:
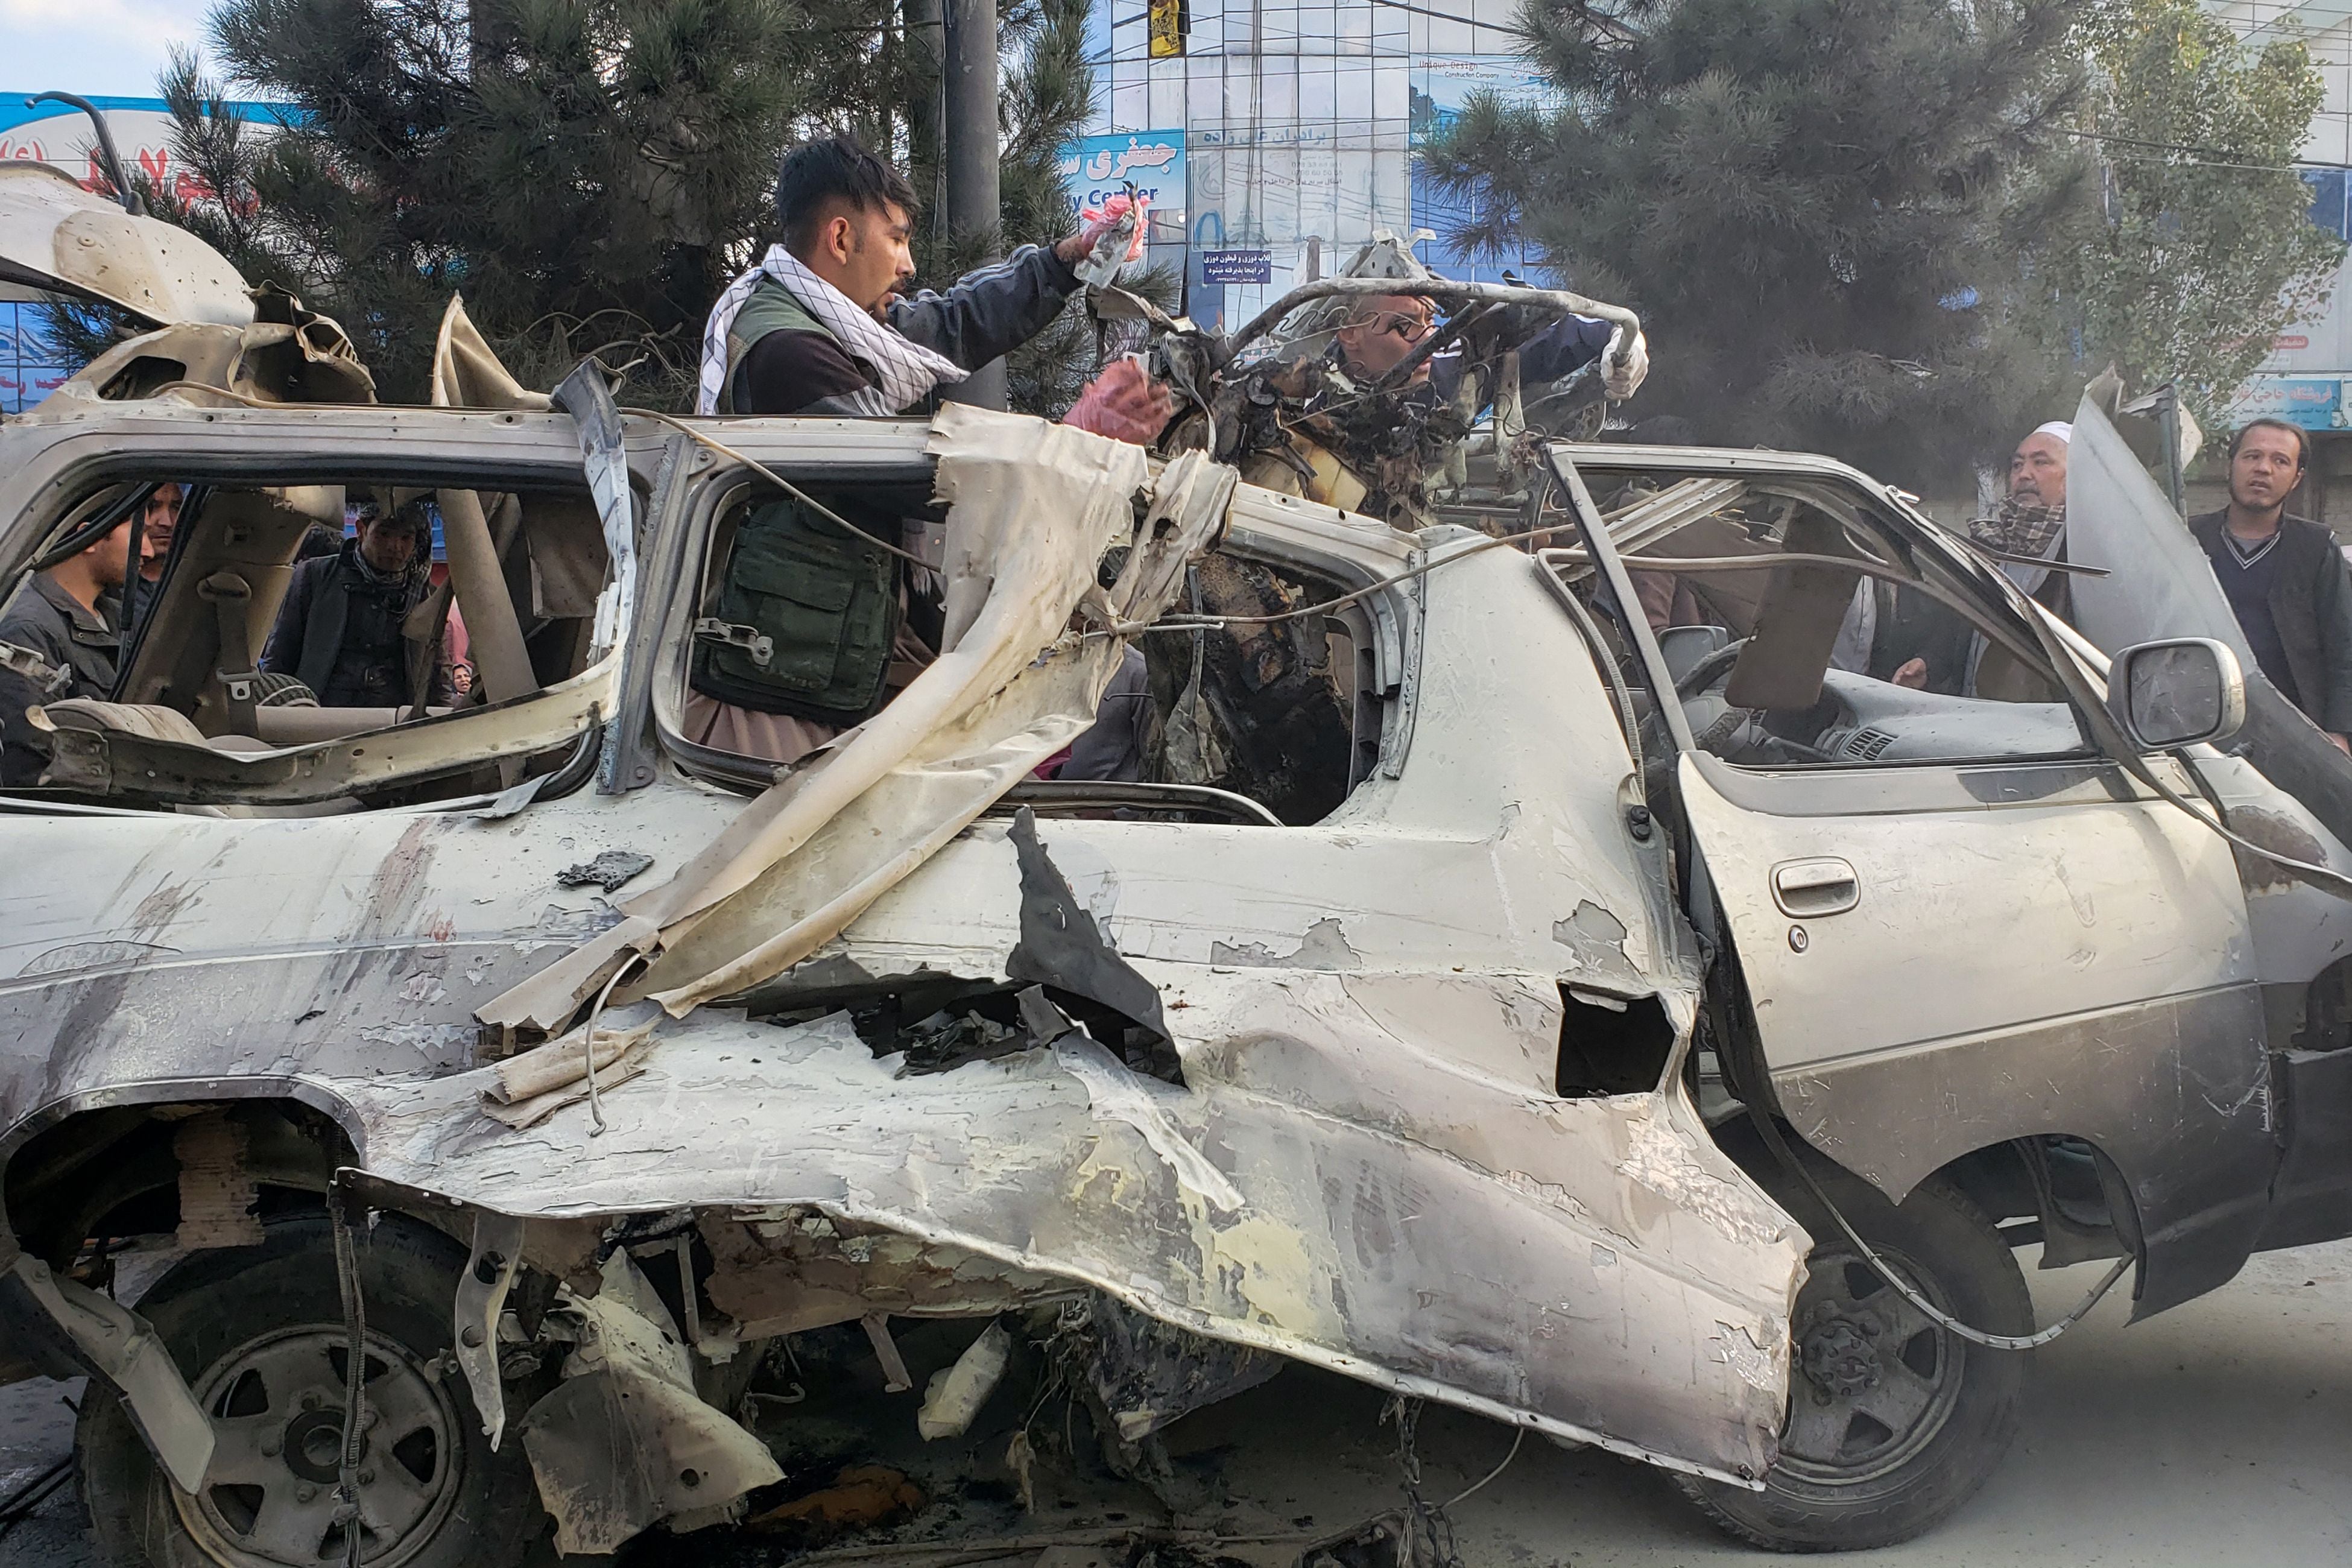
[1382,329]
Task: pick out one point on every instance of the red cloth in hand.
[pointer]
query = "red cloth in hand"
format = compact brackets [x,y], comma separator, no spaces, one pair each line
[1096,222]
[1123,404]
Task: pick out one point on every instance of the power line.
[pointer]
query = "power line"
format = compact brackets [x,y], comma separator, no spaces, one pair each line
[2206,157]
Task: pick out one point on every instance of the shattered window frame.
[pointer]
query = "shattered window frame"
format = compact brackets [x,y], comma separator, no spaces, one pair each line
[1867,520]
[1382,630]
[488,453]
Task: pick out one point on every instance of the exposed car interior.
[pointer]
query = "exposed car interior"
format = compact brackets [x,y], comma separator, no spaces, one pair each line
[191,696]
[1810,662]
[1264,725]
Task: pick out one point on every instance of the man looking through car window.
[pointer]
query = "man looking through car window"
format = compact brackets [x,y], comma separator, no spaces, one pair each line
[1924,643]
[339,631]
[159,523]
[59,645]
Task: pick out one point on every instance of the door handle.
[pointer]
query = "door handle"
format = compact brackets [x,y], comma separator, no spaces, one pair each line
[1810,889]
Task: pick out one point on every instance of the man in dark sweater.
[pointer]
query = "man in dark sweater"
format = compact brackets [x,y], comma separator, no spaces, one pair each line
[61,645]
[2284,576]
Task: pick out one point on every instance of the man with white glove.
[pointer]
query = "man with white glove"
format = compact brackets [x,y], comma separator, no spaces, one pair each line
[1621,380]
[1382,329]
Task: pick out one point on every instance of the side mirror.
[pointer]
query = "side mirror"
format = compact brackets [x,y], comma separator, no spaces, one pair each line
[2178,692]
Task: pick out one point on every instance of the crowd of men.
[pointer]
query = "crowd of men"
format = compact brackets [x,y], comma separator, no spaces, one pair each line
[2285,579]
[824,326]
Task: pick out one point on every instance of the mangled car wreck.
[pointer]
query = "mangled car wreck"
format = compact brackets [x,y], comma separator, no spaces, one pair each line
[548,1107]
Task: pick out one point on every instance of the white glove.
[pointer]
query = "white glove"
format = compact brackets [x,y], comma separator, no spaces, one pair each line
[1624,380]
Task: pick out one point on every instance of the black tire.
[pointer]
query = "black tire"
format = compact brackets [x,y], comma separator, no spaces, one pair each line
[248,1326]
[1893,1422]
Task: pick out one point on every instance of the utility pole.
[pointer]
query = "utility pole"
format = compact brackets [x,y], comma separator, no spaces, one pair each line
[926,26]
[974,206]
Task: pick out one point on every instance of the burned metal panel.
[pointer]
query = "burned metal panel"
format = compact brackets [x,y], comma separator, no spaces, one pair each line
[169,951]
[56,235]
[1609,1277]
[2176,1090]
[623,1440]
[2297,928]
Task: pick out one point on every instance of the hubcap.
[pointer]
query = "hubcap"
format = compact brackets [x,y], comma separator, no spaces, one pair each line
[276,1404]
[1878,1379]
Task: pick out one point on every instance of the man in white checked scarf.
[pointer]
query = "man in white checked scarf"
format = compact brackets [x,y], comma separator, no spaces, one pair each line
[814,630]
[822,325]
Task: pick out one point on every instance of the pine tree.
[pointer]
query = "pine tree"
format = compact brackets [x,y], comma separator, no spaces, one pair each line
[587,172]
[1816,206]
[2194,248]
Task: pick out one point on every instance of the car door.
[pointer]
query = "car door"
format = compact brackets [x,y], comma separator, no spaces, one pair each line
[1957,924]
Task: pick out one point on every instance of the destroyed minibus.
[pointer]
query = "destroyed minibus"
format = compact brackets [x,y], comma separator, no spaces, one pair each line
[1654,1041]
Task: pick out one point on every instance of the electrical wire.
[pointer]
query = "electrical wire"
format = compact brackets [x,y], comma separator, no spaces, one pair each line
[1477,1487]
[1934,1314]
[1218,623]
[785,485]
[588,1041]
[2212,152]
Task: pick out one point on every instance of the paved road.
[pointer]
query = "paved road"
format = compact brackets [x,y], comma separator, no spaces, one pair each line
[2221,1432]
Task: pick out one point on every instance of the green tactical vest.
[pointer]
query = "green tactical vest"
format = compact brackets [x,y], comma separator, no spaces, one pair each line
[806,613]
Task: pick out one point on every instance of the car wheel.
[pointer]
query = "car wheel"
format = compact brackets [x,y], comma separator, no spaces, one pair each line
[258,1332]
[1893,1422]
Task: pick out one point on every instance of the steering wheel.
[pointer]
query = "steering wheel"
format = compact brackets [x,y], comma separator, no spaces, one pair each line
[1709,669]
[1713,667]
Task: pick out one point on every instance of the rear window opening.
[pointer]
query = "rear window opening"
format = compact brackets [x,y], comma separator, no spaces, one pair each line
[801,631]
[266,660]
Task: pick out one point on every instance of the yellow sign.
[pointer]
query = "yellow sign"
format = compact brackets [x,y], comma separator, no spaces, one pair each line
[1167,21]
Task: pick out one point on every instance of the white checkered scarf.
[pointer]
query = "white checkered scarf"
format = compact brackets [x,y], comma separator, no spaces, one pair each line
[908,370]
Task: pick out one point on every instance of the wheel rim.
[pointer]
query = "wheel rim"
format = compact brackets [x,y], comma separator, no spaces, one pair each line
[1873,1380]
[277,1408]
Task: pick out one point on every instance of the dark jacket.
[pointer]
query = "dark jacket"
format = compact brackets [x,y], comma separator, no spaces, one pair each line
[1114,749]
[2311,601]
[991,311]
[77,652]
[339,633]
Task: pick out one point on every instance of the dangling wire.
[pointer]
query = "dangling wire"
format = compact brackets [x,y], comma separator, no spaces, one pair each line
[347,1282]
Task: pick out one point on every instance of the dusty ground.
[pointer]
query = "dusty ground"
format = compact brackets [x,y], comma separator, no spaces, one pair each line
[2220,1432]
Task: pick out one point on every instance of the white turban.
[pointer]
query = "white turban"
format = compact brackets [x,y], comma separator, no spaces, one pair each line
[2058,427]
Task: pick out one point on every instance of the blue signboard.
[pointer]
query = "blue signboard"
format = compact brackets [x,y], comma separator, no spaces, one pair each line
[1097,168]
[1228,267]
[2311,402]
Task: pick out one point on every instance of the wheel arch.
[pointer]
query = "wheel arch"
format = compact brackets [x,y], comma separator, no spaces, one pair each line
[289,1136]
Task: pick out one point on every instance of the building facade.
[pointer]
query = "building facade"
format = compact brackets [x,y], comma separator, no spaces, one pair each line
[1297,122]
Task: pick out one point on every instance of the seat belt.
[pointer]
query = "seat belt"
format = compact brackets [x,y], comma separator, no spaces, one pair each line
[228,594]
